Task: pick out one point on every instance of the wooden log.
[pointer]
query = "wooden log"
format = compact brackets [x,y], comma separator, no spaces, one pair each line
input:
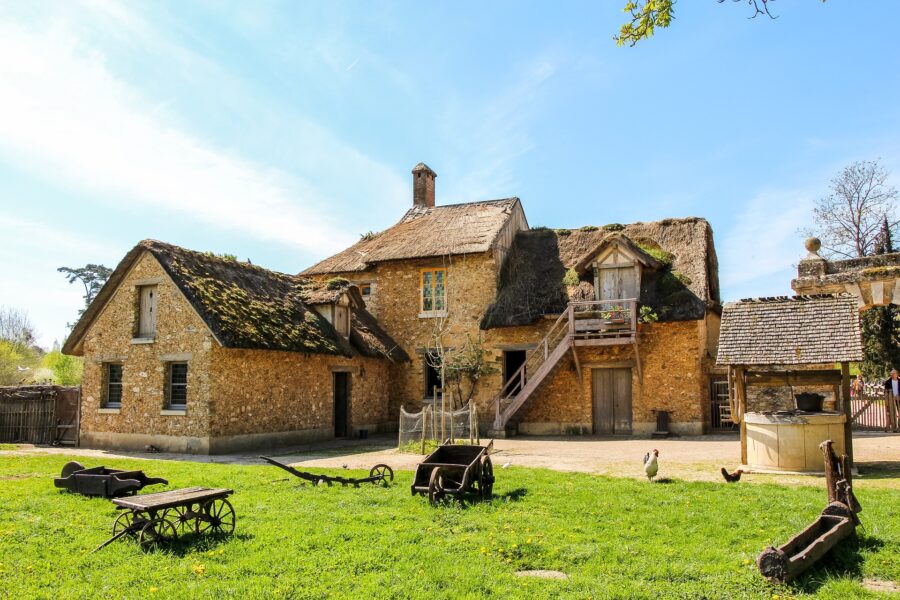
[782,564]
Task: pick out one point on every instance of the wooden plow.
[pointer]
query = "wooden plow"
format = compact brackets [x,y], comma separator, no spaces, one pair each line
[377,474]
[837,522]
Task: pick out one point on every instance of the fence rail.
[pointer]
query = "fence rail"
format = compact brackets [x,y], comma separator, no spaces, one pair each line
[875,412]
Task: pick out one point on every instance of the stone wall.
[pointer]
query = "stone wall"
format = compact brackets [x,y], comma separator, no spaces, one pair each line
[674,379]
[180,335]
[259,392]
[471,286]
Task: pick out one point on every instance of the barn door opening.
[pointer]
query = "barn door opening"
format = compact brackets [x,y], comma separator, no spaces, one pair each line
[341,404]
[611,390]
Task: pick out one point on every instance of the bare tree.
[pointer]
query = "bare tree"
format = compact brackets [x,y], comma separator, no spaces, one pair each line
[849,219]
[16,328]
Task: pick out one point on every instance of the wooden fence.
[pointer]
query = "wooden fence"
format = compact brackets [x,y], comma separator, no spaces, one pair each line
[875,410]
[40,414]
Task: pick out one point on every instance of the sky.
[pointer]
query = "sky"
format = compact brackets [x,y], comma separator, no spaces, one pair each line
[281,131]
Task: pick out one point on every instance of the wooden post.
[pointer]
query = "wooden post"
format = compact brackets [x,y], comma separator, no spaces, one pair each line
[891,409]
[424,425]
[740,393]
[847,409]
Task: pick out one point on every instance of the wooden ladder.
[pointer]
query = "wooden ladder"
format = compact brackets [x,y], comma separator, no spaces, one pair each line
[539,362]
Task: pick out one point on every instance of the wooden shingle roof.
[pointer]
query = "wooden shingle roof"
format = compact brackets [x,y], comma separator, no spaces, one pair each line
[426,232]
[790,331]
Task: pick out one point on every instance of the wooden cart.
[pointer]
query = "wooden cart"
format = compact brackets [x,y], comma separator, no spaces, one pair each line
[456,470]
[161,517]
[100,481]
[380,473]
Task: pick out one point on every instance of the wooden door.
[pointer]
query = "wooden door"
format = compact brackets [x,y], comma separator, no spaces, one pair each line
[341,404]
[147,325]
[618,283]
[612,401]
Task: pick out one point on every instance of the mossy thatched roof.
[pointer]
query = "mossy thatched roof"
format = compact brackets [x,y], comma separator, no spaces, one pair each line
[244,306]
[683,285]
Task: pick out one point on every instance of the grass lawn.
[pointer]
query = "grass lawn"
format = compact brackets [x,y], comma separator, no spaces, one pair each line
[613,537]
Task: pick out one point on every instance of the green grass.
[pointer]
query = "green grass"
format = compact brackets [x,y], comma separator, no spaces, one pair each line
[7,447]
[613,537]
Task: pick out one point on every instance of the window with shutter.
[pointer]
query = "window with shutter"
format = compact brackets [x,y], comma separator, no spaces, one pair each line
[147,311]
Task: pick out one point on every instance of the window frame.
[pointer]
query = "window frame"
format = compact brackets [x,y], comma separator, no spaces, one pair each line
[170,385]
[433,287]
[427,369]
[153,308]
[105,402]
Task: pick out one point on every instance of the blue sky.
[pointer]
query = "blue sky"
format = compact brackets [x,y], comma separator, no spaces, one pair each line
[280,131]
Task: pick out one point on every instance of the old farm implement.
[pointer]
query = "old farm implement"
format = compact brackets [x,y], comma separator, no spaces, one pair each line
[456,470]
[100,481]
[153,519]
[377,474]
[837,522]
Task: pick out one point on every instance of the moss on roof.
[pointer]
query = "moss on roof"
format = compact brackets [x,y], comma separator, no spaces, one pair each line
[536,280]
[247,306]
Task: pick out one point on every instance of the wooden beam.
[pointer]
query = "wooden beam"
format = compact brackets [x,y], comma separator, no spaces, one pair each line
[577,365]
[793,378]
[637,362]
[740,395]
[847,409]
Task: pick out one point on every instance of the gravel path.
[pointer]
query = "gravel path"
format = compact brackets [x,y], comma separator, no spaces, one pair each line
[694,458]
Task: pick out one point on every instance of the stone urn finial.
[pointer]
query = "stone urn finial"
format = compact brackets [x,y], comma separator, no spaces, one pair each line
[812,245]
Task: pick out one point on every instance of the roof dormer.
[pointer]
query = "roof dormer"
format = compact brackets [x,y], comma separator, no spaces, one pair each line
[617,264]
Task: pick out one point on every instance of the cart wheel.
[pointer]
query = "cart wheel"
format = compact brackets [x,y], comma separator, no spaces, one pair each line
[71,467]
[181,517]
[157,531]
[127,520]
[435,489]
[385,472]
[216,516]
[487,478]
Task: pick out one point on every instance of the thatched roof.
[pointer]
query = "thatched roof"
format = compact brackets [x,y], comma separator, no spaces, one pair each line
[790,331]
[243,305]
[681,282]
[426,232]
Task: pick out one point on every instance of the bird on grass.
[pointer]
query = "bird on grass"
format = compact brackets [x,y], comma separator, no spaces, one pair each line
[732,477]
[506,465]
[651,464]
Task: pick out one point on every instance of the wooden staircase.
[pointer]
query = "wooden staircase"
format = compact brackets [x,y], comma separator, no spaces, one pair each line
[581,324]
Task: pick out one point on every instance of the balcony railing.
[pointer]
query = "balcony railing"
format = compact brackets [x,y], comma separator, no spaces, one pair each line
[603,322]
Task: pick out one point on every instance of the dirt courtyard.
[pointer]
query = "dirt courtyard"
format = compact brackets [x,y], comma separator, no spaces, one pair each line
[688,458]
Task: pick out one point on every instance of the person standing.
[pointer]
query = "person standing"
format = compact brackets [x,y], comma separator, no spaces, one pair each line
[892,395]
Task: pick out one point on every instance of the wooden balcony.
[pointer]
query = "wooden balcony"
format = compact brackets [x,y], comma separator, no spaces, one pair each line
[603,322]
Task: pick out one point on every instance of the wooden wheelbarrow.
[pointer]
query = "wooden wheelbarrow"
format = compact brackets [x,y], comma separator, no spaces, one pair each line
[100,481]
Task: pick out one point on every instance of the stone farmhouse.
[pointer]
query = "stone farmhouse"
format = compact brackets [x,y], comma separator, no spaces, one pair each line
[191,352]
[557,310]
[598,330]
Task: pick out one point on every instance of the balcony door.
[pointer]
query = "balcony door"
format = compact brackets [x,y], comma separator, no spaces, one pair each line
[616,283]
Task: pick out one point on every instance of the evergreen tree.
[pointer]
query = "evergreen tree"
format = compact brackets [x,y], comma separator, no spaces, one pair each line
[881,326]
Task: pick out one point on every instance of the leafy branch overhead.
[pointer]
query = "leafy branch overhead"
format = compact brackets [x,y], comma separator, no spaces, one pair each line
[649,15]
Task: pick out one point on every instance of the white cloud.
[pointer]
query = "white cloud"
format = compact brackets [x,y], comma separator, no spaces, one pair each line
[64,115]
[493,135]
[759,253]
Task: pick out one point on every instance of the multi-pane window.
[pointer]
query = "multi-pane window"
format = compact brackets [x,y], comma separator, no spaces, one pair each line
[434,290]
[112,376]
[176,385]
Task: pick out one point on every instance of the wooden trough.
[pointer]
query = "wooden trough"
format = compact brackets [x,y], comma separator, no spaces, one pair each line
[837,522]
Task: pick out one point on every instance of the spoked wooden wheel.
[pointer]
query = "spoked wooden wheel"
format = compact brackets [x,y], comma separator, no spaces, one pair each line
[486,485]
[126,520]
[435,489]
[385,472]
[216,516]
[181,517]
[157,531]
[71,467]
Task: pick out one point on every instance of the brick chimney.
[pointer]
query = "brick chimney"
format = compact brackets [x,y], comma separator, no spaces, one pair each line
[423,186]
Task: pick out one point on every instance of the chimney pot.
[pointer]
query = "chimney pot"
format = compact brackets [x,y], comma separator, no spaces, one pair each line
[423,186]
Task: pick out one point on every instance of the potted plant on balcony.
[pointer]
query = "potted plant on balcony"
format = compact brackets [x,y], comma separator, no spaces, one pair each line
[646,315]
